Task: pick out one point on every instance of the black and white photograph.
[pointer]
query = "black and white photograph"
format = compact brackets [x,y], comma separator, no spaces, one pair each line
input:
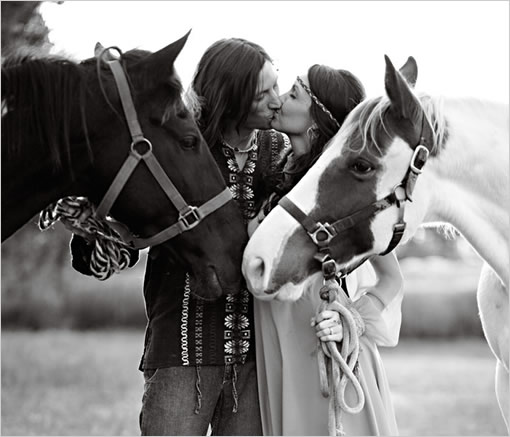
[255,218]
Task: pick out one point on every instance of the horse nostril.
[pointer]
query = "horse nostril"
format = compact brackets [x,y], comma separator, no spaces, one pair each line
[256,268]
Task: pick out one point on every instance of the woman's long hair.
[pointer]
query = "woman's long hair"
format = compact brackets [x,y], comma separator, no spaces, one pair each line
[224,85]
[339,91]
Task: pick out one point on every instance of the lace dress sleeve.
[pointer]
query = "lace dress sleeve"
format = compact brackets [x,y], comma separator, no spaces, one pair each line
[380,306]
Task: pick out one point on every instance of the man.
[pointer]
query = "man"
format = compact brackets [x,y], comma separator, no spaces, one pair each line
[199,358]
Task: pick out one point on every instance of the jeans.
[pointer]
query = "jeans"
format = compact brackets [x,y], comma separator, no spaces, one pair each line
[185,400]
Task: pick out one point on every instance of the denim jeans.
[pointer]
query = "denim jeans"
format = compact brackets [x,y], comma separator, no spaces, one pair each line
[185,400]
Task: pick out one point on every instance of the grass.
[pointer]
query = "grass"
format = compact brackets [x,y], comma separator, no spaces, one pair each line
[87,383]
[444,388]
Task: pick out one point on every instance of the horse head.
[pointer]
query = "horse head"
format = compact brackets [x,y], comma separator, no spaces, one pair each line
[89,142]
[355,193]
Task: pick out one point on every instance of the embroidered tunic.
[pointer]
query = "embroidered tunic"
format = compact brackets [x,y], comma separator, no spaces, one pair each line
[183,330]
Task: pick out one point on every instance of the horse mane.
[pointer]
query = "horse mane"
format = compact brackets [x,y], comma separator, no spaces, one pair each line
[37,96]
[372,119]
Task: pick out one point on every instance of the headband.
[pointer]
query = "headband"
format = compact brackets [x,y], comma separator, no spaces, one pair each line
[317,101]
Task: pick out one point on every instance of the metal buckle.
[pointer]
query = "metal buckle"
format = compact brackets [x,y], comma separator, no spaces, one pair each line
[136,152]
[399,194]
[191,218]
[399,227]
[419,149]
[325,229]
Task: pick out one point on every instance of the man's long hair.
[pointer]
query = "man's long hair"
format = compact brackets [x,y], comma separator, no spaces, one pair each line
[224,85]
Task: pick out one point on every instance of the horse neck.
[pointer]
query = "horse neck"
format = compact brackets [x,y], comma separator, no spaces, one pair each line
[31,183]
[470,178]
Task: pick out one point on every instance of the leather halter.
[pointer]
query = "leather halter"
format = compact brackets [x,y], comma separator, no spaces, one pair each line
[189,216]
[323,233]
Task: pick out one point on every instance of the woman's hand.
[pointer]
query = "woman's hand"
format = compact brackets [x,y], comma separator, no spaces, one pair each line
[327,326]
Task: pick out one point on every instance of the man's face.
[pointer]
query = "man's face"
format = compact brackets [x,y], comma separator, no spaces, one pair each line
[266,100]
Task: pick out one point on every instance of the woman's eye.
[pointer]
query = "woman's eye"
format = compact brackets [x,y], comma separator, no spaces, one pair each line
[362,167]
[189,142]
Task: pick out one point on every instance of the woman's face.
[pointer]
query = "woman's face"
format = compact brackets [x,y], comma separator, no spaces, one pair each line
[294,117]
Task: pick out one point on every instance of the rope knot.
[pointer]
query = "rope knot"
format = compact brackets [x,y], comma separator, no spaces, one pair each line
[109,254]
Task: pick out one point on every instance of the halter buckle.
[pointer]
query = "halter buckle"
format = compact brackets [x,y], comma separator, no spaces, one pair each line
[420,156]
[191,218]
[323,234]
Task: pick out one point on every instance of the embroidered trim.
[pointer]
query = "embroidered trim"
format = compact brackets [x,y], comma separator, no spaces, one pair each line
[242,180]
[184,323]
[237,333]
[199,336]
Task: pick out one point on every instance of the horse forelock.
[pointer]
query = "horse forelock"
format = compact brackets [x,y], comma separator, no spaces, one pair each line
[368,128]
[39,94]
[168,84]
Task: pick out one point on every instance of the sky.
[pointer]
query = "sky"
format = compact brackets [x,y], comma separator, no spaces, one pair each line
[461,47]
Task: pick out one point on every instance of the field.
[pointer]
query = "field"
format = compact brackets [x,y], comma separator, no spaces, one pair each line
[87,383]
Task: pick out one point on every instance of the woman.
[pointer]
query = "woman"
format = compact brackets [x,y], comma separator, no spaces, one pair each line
[290,397]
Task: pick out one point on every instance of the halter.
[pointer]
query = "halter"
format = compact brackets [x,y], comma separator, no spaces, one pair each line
[323,233]
[189,216]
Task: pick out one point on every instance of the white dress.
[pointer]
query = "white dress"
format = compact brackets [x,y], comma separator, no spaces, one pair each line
[288,375]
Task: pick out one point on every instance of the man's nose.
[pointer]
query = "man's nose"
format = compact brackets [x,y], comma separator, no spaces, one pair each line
[275,102]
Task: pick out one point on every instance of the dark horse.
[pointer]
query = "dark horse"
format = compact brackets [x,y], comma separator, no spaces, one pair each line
[64,134]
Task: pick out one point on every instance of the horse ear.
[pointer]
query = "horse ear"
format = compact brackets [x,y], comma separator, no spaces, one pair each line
[397,89]
[410,71]
[164,59]
[99,51]
[98,48]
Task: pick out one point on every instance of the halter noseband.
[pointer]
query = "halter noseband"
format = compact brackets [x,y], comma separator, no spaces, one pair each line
[189,216]
[323,233]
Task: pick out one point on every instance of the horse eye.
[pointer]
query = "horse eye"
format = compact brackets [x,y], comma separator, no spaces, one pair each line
[362,167]
[189,142]
[155,121]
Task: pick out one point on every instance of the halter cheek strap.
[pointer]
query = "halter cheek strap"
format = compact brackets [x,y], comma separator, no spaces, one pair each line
[323,233]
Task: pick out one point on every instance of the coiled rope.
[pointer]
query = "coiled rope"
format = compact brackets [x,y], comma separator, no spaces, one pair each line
[110,254]
[339,368]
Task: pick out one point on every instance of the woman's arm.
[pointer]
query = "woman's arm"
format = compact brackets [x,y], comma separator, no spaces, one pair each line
[389,280]
[382,328]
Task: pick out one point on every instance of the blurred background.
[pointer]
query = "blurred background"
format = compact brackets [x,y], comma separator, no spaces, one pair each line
[71,344]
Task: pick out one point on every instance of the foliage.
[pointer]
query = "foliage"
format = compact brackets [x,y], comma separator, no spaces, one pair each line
[23,27]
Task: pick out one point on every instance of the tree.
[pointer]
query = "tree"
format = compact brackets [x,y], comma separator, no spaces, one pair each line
[23,27]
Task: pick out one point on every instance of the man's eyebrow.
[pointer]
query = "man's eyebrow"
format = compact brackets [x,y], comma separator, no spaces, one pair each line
[263,90]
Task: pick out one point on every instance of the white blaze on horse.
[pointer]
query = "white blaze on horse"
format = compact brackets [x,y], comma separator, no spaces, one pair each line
[367,193]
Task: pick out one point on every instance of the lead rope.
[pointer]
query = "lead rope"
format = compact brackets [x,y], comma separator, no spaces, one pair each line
[110,254]
[338,369]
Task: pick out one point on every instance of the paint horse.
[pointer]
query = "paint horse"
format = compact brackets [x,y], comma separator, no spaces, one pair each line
[399,161]
[119,134]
